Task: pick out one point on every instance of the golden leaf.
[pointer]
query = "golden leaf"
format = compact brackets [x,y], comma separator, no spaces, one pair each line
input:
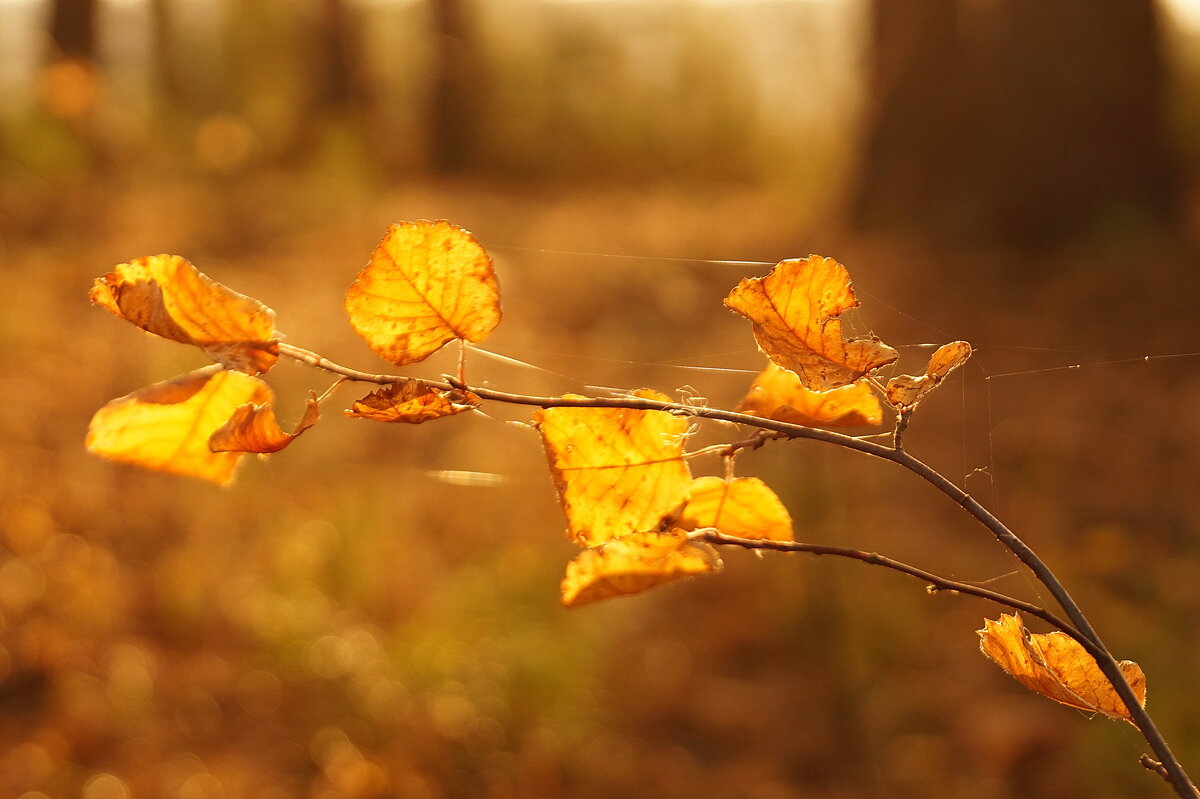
[905,391]
[794,310]
[254,428]
[744,507]
[427,283]
[1057,666]
[778,394]
[166,426]
[167,296]
[413,401]
[617,470]
[634,563]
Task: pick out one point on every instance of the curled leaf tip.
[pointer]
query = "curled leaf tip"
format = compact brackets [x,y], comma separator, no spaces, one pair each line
[906,391]
[255,428]
[167,426]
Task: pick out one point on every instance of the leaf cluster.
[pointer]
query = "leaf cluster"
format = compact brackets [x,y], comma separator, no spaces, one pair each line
[620,465]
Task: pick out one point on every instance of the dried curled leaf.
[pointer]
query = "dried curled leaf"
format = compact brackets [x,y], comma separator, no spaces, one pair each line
[778,394]
[744,507]
[427,283]
[167,296]
[413,401]
[254,428]
[617,470]
[1057,666]
[905,391]
[794,310]
[635,563]
[166,426]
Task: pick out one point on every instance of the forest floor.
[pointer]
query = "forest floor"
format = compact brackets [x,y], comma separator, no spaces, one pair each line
[374,612]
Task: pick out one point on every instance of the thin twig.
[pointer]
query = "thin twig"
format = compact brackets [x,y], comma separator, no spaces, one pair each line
[313,359]
[935,581]
[1150,764]
[731,449]
[903,415]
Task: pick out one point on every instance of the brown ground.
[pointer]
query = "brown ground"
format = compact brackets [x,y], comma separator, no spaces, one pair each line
[341,623]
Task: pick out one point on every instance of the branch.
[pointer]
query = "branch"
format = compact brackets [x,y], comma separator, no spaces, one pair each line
[1078,621]
[313,359]
[933,581]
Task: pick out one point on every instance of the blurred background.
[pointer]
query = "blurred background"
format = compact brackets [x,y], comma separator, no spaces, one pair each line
[374,612]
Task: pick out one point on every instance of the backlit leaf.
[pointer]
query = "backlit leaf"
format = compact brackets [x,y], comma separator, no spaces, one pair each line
[905,391]
[1057,666]
[634,563]
[167,296]
[744,507]
[427,283]
[166,426]
[778,394]
[254,428]
[413,401]
[617,470]
[794,310]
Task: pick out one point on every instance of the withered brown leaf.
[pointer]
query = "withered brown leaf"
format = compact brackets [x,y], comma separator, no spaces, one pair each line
[905,391]
[413,401]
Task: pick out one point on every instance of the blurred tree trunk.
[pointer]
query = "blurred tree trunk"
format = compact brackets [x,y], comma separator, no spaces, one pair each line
[1079,127]
[333,97]
[70,82]
[923,120]
[73,29]
[1025,123]
[336,83]
[454,89]
[167,81]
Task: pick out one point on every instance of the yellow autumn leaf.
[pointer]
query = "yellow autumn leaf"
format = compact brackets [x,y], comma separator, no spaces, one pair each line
[413,401]
[634,563]
[778,394]
[167,296]
[905,391]
[1057,666]
[794,310]
[254,428]
[617,470]
[427,283]
[166,426]
[744,507]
